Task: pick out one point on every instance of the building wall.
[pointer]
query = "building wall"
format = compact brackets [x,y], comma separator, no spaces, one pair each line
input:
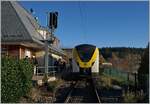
[56,43]
[17,51]
[40,57]
[42,33]
[46,34]
[68,52]
[20,52]
[10,50]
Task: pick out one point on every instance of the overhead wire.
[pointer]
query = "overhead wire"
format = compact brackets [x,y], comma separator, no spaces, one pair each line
[83,22]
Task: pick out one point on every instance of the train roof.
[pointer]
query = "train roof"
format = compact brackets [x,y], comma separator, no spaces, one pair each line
[85,45]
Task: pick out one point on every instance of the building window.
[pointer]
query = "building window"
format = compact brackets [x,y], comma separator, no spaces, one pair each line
[43,33]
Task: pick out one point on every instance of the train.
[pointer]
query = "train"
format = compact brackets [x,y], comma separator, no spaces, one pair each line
[85,59]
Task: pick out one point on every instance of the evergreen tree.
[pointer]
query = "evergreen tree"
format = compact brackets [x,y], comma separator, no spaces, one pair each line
[143,72]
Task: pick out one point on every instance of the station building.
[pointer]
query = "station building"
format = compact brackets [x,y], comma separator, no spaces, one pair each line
[22,35]
[68,51]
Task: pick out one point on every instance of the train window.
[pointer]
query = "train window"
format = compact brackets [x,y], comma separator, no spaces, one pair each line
[85,52]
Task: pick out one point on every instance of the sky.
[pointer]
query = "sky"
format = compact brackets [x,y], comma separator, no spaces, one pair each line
[101,23]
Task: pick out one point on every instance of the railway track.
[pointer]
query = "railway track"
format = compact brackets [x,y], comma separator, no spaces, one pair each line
[83,91]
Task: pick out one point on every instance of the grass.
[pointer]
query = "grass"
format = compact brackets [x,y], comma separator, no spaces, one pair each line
[117,80]
[38,94]
[107,81]
[131,97]
[52,86]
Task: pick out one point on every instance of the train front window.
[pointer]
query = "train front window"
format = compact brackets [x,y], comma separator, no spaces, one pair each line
[85,52]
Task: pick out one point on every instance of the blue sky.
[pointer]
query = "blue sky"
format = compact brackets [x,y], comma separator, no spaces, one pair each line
[104,24]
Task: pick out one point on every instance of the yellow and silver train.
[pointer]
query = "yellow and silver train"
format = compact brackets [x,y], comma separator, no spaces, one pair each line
[85,59]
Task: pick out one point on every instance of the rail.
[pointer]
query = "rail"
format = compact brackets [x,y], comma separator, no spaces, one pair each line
[99,101]
[83,97]
[69,95]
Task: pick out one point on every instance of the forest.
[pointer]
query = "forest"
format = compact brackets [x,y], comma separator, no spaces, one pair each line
[122,58]
[121,52]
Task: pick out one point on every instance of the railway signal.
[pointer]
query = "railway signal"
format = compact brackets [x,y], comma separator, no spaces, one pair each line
[53,16]
[52,25]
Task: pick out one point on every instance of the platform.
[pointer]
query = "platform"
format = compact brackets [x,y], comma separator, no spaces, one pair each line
[38,79]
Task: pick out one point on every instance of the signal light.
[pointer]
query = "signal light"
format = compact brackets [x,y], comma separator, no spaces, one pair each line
[53,16]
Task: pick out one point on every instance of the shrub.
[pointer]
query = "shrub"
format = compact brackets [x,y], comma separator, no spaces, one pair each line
[52,86]
[16,79]
[27,72]
[106,81]
[45,79]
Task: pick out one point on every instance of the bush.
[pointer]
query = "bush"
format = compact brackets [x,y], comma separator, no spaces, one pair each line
[16,78]
[27,72]
[45,79]
[52,86]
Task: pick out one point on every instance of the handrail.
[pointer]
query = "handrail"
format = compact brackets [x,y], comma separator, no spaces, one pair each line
[49,71]
[48,66]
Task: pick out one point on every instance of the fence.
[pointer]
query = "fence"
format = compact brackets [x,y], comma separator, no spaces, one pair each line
[122,75]
[130,79]
[40,70]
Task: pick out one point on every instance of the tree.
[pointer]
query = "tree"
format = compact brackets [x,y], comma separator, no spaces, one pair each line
[143,72]
[144,67]
[101,59]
